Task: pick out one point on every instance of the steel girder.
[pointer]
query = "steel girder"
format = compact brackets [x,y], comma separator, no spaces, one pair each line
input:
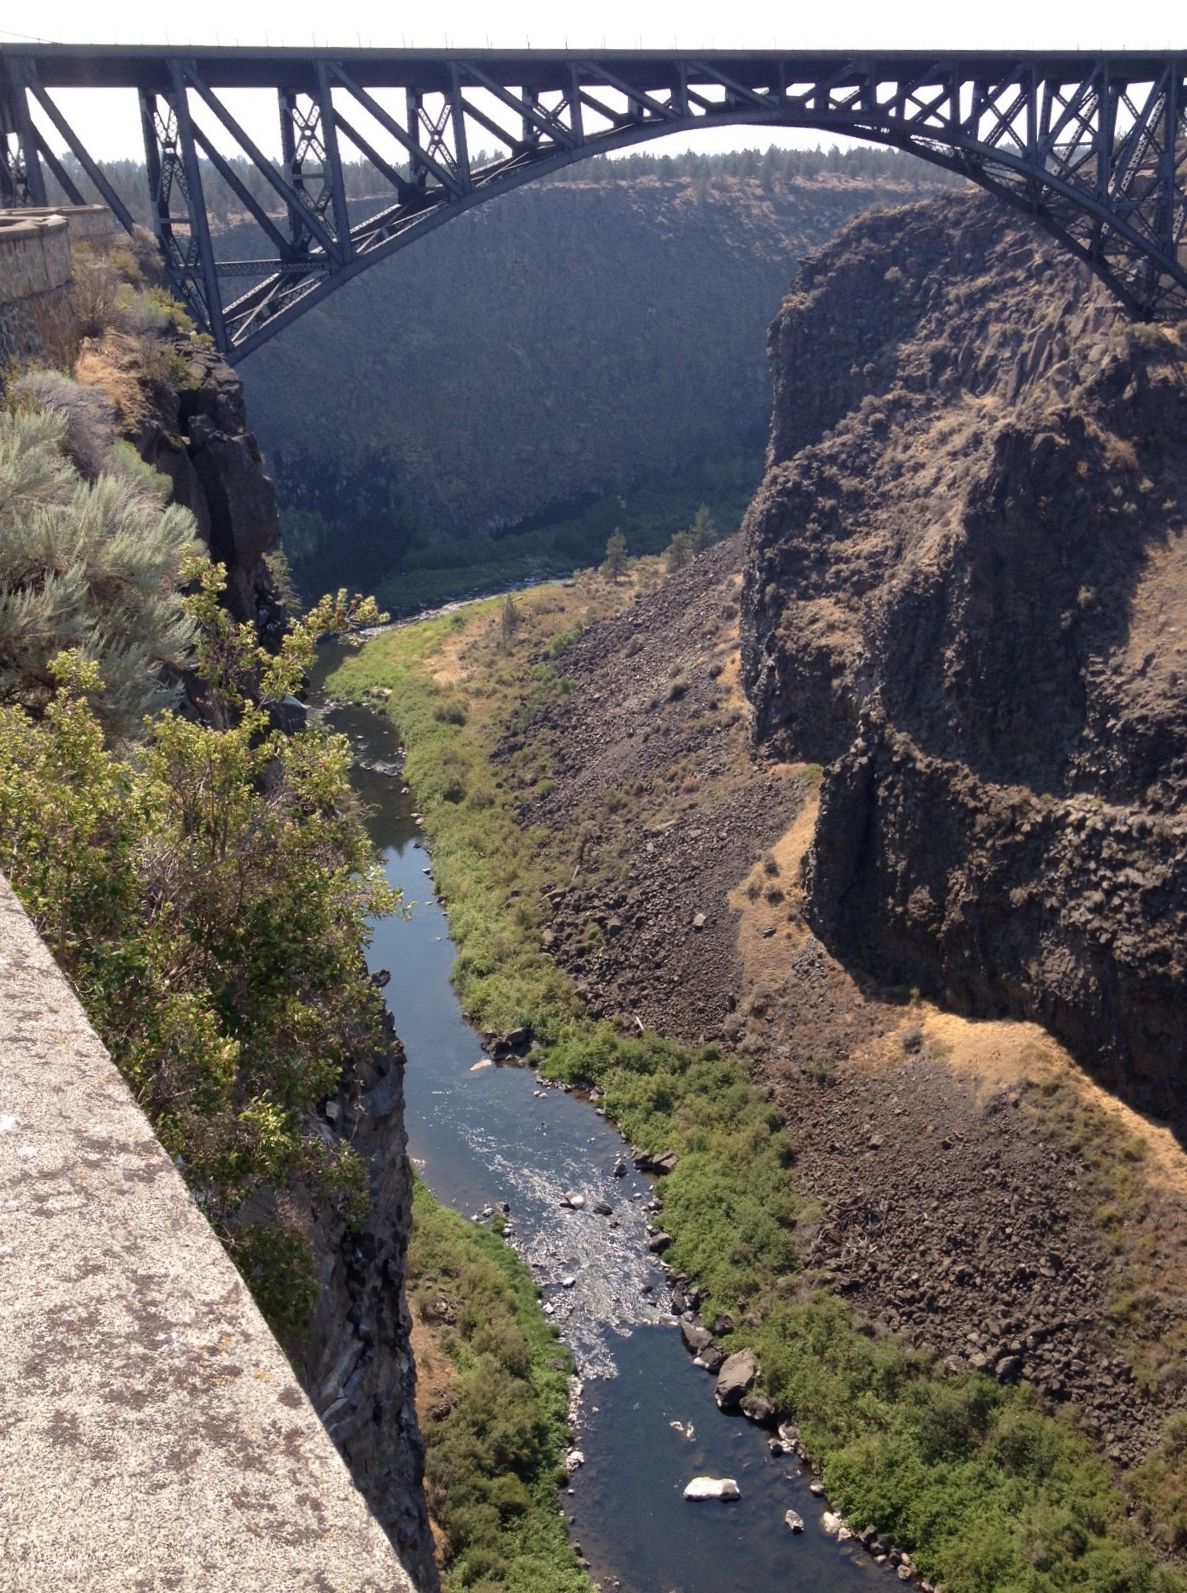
[1093,147]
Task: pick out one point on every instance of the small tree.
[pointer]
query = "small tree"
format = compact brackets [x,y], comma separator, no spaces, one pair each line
[680,551]
[615,564]
[704,533]
[508,623]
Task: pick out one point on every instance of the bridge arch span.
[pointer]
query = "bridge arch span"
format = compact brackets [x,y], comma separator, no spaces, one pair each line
[1092,147]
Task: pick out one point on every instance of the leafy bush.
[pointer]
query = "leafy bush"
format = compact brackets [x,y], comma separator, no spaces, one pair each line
[208,898]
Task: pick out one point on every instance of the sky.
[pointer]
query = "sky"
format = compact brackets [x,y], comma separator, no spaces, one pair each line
[109,123]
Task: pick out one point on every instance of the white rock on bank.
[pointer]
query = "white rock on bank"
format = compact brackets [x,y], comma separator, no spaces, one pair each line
[485,1063]
[712,1488]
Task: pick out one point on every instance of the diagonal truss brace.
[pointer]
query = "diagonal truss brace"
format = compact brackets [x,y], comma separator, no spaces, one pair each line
[1097,155]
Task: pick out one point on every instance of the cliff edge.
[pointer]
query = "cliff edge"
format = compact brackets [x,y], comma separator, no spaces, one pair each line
[965,597]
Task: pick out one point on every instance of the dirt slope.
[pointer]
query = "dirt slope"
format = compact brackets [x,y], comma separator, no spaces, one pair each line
[952,810]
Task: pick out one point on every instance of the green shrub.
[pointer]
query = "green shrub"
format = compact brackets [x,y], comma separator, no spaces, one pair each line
[209,899]
[495,1448]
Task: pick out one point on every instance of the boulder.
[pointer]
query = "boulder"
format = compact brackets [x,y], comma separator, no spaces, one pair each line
[832,1522]
[658,1243]
[758,1409]
[660,1164]
[697,1338]
[712,1359]
[794,1521]
[712,1488]
[286,714]
[514,1043]
[735,1378]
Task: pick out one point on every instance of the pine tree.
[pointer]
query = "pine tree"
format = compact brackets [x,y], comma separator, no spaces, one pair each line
[616,559]
[680,551]
[703,533]
[508,623]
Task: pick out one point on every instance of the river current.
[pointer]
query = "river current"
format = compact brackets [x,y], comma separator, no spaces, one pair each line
[647,1422]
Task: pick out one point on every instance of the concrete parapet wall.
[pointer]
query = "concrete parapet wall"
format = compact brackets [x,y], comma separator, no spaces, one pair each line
[154,1433]
[37,316]
[34,255]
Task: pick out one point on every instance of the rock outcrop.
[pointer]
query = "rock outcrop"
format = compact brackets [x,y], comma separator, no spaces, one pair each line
[965,597]
[355,1358]
[196,433]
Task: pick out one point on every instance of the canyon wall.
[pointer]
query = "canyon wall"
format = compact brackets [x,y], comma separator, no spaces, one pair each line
[965,597]
[354,1357]
[557,344]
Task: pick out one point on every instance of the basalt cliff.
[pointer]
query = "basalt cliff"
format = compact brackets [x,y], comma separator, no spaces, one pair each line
[966,597]
[902,765]
[354,1356]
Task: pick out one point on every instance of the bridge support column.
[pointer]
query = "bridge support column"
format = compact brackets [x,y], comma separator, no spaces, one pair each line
[22,181]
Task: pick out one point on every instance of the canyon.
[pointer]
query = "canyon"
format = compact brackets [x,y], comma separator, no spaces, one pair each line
[871,814]
[556,347]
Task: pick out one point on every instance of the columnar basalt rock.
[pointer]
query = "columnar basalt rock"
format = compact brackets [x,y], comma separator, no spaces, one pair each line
[196,433]
[964,595]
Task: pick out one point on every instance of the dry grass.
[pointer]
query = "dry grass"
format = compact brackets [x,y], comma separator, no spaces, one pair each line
[771,931]
[435,1378]
[114,364]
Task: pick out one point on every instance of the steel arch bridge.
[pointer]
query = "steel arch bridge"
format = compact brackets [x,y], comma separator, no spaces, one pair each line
[1092,146]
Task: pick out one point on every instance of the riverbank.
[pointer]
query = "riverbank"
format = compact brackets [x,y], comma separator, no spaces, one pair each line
[984,1487]
[493,1396]
[546,1166]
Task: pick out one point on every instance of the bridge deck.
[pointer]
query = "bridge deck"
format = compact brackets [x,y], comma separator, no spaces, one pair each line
[233,66]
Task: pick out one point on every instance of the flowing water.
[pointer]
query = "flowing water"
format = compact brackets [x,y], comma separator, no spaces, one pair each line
[496,1135]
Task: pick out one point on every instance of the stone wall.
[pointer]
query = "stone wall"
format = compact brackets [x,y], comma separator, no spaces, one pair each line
[37,320]
[154,1434]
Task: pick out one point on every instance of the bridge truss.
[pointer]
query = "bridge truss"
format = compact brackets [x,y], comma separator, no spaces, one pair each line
[1093,147]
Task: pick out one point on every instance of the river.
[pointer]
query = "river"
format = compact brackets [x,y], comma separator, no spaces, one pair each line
[496,1135]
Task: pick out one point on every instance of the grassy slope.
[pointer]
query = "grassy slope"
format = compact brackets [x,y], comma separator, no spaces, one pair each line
[494,1445]
[990,1493]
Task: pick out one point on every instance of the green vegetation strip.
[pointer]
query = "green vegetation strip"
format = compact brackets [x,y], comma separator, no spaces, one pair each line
[988,1492]
[495,1443]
